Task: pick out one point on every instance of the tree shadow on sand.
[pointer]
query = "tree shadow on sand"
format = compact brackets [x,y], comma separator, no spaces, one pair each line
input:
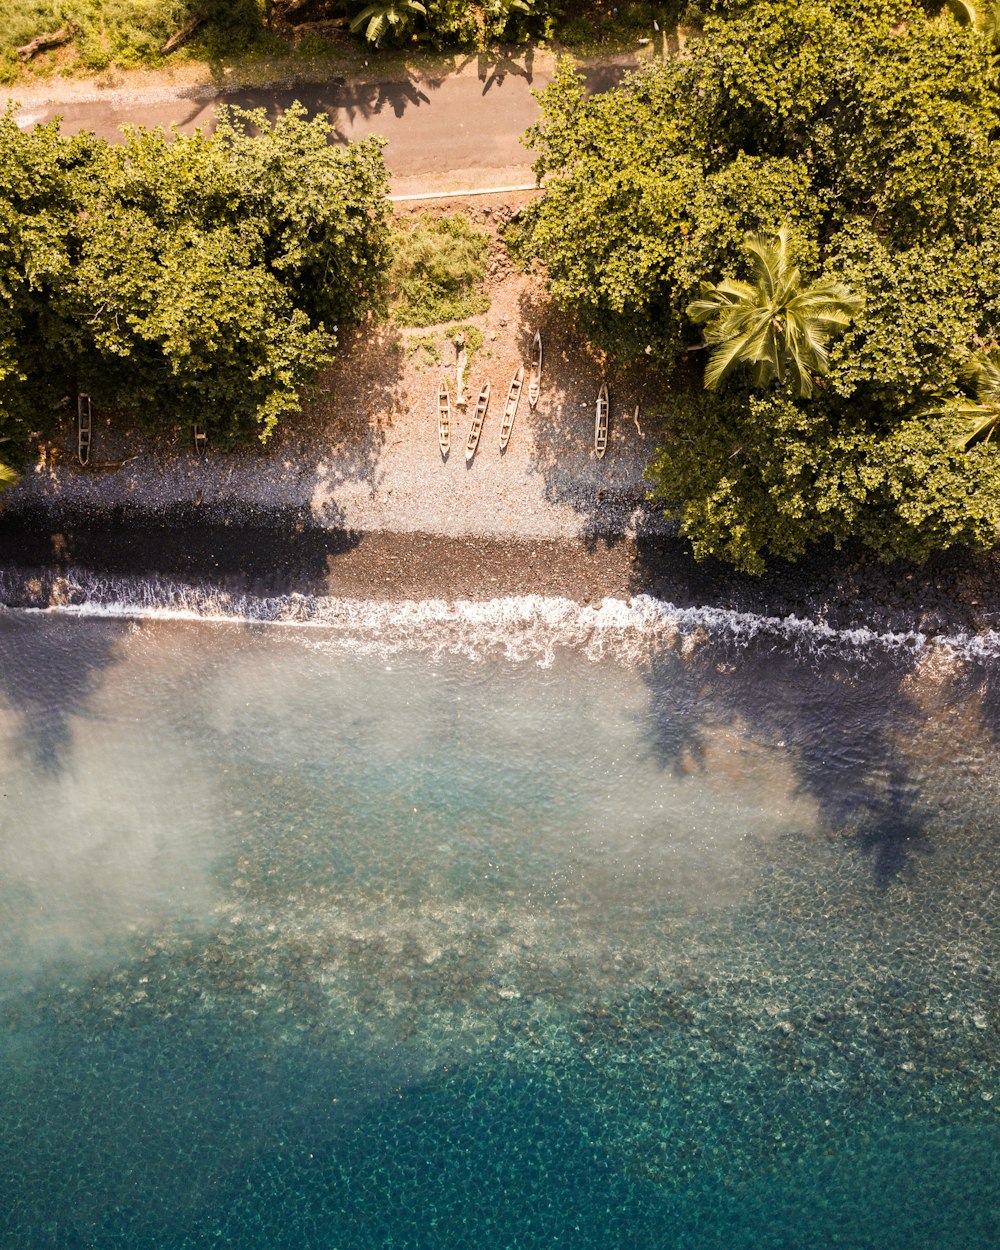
[348,421]
[605,493]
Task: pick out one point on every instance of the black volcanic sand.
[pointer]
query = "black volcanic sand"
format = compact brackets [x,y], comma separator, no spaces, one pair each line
[280,553]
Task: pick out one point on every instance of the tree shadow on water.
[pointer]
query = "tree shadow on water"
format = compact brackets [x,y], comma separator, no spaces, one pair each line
[49,671]
[836,715]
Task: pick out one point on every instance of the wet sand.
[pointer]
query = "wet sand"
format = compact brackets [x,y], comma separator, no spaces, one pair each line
[275,553]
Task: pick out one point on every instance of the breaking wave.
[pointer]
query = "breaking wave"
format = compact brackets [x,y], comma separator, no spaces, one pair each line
[519,628]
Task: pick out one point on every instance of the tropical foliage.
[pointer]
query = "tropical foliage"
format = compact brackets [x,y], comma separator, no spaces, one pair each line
[774,324]
[981,416]
[393,18]
[102,33]
[185,279]
[438,268]
[984,15]
[860,137]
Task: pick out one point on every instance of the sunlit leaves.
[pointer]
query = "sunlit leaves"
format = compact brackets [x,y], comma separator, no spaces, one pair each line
[777,325]
[184,279]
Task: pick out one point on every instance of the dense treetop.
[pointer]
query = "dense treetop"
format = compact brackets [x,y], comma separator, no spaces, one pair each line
[868,130]
[198,279]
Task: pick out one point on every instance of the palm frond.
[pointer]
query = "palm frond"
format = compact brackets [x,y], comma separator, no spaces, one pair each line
[964,12]
[772,324]
[769,257]
[985,373]
[983,429]
[722,362]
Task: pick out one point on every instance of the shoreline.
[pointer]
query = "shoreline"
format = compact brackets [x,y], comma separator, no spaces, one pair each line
[273,554]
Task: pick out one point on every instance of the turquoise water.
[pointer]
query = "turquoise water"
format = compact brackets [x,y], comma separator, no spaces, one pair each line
[509,925]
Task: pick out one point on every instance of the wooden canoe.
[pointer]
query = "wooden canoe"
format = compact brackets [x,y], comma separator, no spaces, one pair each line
[601,422]
[83,429]
[200,439]
[444,418]
[510,411]
[535,381]
[477,423]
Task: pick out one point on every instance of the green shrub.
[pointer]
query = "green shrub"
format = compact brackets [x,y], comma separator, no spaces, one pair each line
[196,276]
[438,270]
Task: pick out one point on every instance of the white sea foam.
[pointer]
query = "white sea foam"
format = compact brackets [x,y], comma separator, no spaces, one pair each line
[519,628]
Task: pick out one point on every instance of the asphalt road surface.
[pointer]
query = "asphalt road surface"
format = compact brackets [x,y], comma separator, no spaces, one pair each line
[458,130]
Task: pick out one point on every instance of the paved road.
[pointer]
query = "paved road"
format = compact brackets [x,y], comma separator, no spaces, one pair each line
[460,129]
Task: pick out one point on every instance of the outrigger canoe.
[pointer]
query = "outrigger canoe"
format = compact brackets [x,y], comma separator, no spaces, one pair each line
[535,381]
[601,423]
[83,415]
[444,418]
[477,423]
[510,411]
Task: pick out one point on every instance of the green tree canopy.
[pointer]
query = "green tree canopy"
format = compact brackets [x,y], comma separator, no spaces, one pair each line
[867,128]
[185,279]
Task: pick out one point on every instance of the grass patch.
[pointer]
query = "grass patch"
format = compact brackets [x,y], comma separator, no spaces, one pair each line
[438,271]
[427,346]
[474,339]
[605,25]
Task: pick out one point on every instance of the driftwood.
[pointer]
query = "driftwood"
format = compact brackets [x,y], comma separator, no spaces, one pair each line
[183,35]
[54,39]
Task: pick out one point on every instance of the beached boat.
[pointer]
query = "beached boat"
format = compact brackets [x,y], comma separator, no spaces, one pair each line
[601,423]
[83,415]
[535,380]
[510,411]
[444,418]
[477,423]
[200,438]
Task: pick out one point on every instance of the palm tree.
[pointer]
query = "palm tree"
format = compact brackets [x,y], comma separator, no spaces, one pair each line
[7,476]
[983,14]
[773,324]
[982,418]
[385,16]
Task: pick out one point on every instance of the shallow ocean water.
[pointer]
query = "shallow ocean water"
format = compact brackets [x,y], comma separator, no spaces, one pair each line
[506,925]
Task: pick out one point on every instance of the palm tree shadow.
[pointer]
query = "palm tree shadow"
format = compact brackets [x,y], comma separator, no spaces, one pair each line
[343,103]
[494,66]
